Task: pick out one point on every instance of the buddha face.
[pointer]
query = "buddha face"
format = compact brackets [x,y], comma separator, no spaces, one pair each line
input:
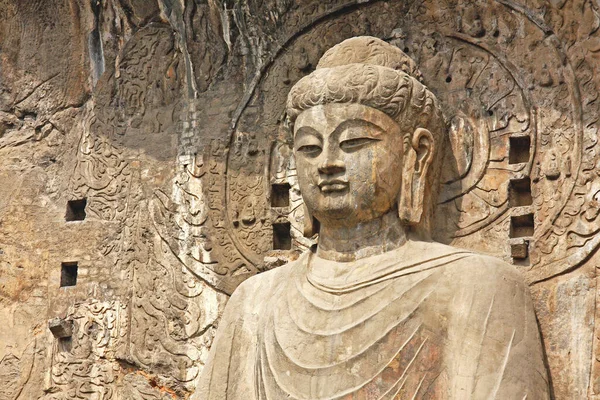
[349,162]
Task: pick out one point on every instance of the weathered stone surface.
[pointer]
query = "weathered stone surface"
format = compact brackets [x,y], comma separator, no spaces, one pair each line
[167,117]
[60,328]
[377,310]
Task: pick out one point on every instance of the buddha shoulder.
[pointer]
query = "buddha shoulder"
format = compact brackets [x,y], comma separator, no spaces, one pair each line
[485,273]
[258,288]
[475,267]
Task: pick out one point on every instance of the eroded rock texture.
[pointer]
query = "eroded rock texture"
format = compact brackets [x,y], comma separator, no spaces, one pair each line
[167,118]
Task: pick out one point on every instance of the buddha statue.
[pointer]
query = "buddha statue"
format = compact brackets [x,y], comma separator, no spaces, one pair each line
[377,310]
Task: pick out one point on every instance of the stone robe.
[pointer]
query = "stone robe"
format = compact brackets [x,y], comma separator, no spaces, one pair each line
[425,321]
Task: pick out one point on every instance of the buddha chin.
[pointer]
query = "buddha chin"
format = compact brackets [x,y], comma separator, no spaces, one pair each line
[377,310]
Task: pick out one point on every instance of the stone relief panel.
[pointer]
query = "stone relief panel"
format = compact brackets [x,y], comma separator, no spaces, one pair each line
[521,139]
[128,132]
[519,91]
[83,365]
[172,128]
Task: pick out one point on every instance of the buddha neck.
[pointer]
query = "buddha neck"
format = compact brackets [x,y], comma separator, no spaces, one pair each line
[344,244]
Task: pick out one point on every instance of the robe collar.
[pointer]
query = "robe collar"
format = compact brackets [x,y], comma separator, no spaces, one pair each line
[344,277]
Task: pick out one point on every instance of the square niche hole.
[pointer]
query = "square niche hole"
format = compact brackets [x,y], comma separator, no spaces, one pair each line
[282,238]
[68,274]
[520,192]
[76,210]
[519,148]
[280,195]
[521,226]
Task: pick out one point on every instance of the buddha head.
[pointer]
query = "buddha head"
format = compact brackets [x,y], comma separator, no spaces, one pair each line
[367,137]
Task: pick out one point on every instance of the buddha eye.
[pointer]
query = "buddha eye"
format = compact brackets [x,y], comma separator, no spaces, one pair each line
[309,150]
[355,144]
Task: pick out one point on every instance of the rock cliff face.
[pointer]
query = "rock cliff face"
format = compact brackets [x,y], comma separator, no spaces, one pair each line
[145,171]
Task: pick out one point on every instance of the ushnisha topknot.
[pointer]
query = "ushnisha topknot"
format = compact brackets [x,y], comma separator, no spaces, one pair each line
[368,71]
[369,50]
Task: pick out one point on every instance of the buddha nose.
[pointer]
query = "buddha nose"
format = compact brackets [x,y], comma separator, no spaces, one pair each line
[332,166]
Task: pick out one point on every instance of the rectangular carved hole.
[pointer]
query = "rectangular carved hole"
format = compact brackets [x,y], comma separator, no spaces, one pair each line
[282,238]
[65,344]
[280,195]
[519,148]
[76,210]
[68,274]
[521,226]
[520,192]
[519,251]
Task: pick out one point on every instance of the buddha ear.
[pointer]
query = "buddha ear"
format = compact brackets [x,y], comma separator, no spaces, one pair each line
[311,225]
[416,165]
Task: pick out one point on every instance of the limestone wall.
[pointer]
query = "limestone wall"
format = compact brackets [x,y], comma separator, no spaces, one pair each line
[167,119]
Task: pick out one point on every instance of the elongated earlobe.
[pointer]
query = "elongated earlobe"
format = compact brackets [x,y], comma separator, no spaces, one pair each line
[417,161]
[405,202]
[311,225]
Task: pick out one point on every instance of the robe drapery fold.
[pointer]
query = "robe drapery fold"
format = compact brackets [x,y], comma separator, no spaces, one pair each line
[425,321]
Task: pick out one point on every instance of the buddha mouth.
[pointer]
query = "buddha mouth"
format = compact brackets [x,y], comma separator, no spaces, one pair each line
[334,185]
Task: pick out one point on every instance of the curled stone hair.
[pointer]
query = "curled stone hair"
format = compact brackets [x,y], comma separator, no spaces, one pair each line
[368,71]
